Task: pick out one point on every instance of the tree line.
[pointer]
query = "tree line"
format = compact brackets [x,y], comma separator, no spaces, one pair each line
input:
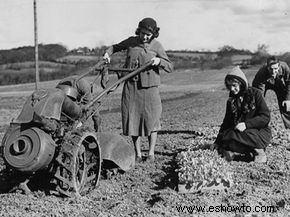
[51,52]
[13,73]
[48,52]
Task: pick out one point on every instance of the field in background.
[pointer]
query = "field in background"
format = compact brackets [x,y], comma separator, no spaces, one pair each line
[24,72]
[179,79]
[19,67]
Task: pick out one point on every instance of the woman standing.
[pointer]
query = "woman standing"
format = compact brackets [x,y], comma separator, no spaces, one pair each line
[141,103]
[245,126]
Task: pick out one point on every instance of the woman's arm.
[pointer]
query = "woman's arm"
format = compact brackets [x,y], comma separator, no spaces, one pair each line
[123,45]
[165,63]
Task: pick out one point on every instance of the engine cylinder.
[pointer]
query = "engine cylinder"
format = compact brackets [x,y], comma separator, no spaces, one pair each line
[29,150]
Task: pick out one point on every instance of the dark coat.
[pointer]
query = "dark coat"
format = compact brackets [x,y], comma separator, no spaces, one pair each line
[254,113]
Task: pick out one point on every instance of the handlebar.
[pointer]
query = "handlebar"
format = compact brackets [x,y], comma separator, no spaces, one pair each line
[126,77]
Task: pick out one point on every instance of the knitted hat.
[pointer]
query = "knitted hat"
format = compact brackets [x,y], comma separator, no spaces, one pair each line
[238,74]
[150,25]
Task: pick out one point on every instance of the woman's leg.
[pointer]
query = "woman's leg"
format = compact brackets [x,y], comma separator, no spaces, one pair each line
[136,141]
[152,142]
[239,148]
[238,151]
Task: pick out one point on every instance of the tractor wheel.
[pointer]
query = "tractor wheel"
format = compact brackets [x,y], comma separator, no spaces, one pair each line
[77,166]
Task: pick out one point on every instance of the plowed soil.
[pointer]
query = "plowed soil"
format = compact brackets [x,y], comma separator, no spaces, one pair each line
[193,109]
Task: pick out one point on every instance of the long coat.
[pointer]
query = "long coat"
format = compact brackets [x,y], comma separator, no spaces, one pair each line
[256,117]
[141,103]
[280,85]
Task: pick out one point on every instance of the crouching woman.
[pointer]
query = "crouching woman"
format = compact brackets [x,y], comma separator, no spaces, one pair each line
[245,127]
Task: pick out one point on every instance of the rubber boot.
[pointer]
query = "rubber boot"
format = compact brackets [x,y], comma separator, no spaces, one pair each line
[261,156]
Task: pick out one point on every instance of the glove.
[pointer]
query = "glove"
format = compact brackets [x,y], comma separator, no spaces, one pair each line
[156,61]
[241,126]
[107,58]
[286,104]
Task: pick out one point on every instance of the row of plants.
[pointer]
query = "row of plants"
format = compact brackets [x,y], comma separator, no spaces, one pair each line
[200,168]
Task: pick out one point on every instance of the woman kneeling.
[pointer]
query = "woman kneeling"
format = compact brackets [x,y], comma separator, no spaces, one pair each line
[245,127]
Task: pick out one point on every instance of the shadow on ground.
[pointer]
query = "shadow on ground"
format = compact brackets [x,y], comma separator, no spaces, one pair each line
[192,132]
[171,176]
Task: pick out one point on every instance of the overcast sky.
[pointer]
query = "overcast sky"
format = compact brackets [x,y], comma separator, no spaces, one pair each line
[184,24]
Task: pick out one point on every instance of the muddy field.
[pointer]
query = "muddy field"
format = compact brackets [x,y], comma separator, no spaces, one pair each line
[192,102]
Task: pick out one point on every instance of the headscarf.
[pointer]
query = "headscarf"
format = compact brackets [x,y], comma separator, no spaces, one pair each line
[244,101]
